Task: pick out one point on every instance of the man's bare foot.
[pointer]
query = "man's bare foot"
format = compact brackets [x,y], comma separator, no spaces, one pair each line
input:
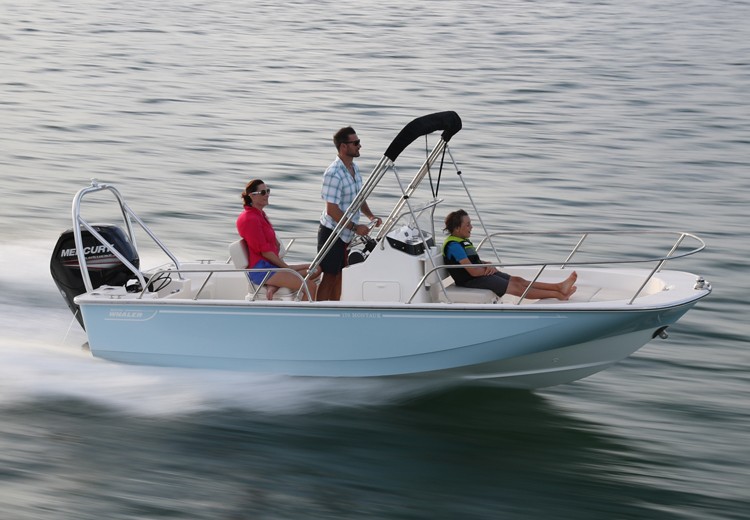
[270,291]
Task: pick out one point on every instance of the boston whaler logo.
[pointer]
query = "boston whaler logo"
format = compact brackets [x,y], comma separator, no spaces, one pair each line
[130,315]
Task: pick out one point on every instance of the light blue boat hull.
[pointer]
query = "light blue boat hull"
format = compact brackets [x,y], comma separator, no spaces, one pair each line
[525,349]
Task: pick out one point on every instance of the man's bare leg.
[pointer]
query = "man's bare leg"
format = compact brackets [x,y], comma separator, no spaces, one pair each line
[330,287]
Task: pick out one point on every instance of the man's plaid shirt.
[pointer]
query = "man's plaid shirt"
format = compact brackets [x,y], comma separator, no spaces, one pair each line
[339,187]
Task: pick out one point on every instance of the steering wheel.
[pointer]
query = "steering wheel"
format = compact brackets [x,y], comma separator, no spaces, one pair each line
[371,225]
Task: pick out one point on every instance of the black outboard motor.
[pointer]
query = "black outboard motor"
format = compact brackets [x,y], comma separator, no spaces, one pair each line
[104,268]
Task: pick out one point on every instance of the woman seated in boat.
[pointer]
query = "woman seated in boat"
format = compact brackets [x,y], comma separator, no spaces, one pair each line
[458,250]
[263,247]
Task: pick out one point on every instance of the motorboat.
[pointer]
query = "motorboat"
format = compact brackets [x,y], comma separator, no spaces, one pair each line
[400,314]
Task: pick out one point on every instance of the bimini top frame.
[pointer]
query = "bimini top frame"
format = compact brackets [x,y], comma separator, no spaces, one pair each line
[449,122]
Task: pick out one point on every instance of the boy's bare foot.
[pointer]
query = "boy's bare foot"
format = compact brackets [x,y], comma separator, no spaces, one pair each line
[567,285]
[570,293]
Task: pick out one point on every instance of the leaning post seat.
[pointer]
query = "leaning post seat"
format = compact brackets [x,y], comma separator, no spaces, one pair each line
[240,258]
[442,279]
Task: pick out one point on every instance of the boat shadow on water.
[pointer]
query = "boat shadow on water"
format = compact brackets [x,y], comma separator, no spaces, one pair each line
[468,448]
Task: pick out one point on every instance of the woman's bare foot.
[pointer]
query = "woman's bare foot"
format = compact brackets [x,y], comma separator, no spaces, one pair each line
[270,291]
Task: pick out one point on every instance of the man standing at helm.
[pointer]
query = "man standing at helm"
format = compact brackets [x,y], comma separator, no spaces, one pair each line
[341,183]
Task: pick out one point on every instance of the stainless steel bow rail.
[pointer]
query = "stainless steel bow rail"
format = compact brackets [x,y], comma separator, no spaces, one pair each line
[659,261]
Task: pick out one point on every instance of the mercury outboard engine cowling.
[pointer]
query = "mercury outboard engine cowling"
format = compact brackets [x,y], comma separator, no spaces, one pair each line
[104,268]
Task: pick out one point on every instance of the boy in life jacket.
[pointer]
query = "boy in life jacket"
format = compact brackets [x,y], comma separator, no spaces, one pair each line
[458,250]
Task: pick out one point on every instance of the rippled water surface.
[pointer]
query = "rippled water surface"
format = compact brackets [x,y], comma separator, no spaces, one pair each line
[607,114]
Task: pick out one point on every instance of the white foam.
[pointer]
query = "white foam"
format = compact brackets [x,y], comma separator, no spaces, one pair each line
[31,369]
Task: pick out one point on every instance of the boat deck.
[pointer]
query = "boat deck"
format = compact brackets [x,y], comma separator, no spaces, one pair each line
[222,283]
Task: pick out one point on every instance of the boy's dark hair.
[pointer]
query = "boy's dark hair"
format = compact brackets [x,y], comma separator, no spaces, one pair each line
[454,219]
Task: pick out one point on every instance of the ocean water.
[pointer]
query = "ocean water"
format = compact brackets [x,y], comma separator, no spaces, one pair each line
[624,115]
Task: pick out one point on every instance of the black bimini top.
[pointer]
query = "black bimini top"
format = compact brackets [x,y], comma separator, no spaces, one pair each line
[448,122]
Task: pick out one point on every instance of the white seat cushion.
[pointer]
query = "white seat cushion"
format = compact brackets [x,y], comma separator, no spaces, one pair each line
[240,258]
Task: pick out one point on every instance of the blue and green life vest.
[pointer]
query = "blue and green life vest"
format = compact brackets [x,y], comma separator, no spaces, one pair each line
[461,276]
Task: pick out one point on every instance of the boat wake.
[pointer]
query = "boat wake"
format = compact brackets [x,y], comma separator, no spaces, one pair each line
[30,371]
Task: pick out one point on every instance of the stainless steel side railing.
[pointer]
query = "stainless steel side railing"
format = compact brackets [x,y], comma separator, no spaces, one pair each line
[659,261]
[169,271]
